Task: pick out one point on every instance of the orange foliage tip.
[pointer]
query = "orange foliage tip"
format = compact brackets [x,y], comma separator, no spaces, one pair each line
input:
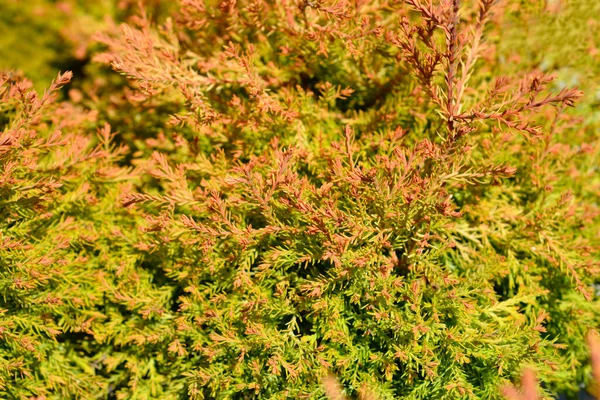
[528,385]
[333,388]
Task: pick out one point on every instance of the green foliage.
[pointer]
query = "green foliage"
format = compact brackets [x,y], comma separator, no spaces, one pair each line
[280,190]
[28,43]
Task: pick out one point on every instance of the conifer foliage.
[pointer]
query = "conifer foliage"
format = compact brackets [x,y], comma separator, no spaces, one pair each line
[290,190]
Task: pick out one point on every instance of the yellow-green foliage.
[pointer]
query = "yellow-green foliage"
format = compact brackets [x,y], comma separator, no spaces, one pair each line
[266,192]
[27,41]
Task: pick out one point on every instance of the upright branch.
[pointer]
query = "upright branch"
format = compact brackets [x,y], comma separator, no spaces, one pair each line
[463,43]
[452,56]
[474,49]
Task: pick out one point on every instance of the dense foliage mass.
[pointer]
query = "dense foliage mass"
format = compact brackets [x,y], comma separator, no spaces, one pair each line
[398,193]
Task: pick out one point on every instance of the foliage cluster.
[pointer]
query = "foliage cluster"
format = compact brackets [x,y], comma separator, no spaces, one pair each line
[530,386]
[394,192]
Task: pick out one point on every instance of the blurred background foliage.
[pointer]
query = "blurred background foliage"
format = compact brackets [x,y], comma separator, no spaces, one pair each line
[39,38]
[42,37]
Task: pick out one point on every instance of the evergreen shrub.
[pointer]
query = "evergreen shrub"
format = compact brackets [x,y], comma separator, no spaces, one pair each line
[283,190]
